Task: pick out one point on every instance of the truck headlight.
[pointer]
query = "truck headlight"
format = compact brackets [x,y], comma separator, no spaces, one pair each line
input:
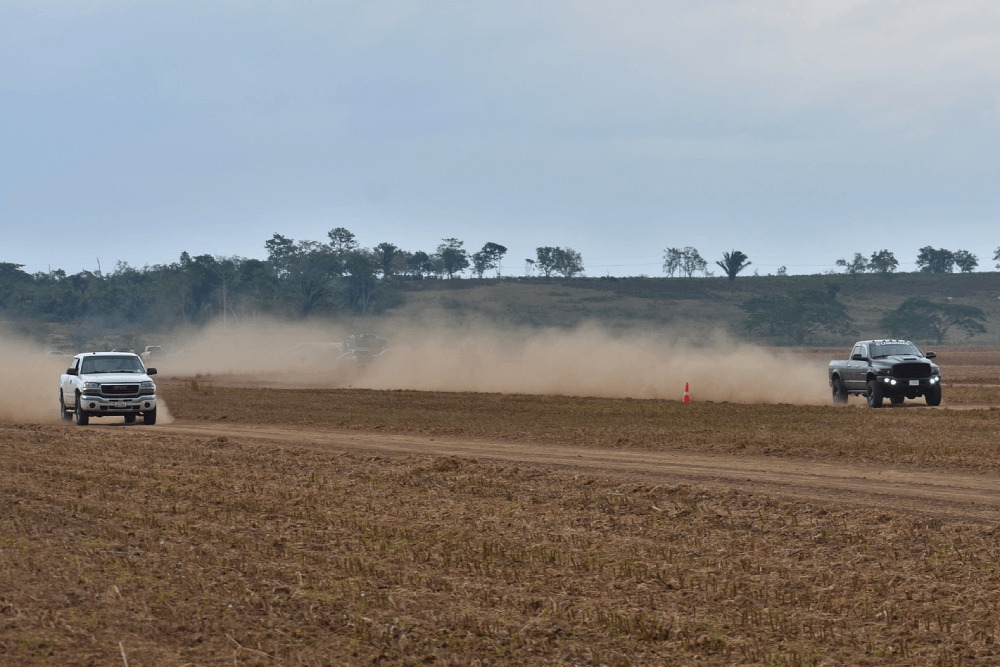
[147,384]
[92,386]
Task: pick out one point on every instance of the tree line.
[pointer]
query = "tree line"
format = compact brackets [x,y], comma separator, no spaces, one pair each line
[298,279]
[303,278]
[929,260]
[686,262]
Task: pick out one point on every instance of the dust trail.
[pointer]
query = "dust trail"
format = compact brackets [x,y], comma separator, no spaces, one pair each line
[30,390]
[589,361]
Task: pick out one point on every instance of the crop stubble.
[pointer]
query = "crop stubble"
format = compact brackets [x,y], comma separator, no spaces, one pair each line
[156,546]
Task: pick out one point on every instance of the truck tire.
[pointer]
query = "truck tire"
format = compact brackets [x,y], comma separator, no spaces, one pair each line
[82,418]
[65,414]
[149,418]
[839,393]
[933,396]
[874,394]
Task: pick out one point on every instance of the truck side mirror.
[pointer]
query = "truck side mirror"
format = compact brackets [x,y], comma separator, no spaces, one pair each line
[930,355]
[150,371]
[857,357]
[70,371]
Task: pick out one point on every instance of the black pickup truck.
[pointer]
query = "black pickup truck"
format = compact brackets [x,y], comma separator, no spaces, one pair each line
[893,369]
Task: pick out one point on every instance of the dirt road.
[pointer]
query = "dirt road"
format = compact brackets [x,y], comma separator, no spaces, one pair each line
[966,495]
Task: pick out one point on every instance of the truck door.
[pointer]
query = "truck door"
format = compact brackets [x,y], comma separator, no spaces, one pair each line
[68,382]
[857,367]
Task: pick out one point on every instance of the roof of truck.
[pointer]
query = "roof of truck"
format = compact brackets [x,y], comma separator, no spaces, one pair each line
[107,354]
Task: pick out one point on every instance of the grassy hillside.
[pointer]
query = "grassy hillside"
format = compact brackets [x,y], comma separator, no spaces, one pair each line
[694,305]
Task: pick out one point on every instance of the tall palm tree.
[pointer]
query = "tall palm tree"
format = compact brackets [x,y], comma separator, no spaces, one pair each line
[732,263]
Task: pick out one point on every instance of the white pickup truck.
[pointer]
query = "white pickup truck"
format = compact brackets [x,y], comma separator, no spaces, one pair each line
[107,384]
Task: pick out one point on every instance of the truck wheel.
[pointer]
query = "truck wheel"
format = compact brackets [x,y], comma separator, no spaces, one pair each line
[65,414]
[839,393]
[874,394]
[149,418]
[933,396]
[82,418]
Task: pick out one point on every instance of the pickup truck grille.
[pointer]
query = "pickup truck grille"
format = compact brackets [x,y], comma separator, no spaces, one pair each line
[120,390]
[914,370]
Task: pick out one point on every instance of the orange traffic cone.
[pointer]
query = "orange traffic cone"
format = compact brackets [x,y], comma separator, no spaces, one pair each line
[687,393]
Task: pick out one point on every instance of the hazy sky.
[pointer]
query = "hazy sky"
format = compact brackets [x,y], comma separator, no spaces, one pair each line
[798,131]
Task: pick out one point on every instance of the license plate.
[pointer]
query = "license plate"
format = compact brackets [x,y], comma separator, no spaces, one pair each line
[120,404]
[914,383]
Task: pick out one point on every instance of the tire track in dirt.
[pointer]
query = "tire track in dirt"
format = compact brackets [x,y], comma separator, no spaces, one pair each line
[948,494]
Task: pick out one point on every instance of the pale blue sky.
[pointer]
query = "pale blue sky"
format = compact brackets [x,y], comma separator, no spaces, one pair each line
[797,131]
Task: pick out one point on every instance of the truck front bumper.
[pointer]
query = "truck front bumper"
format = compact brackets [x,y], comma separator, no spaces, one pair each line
[908,387]
[99,405]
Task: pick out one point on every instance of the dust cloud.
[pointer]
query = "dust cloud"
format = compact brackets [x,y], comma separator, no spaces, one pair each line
[30,388]
[588,361]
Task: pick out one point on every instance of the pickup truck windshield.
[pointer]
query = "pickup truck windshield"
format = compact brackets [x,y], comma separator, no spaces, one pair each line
[891,349]
[123,364]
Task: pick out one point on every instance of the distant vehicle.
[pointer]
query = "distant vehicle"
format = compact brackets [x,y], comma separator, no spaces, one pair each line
[364,349]
[106,384]
[151,350]
[893,369]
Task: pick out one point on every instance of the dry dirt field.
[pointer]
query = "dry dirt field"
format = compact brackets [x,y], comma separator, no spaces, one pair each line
[267,525]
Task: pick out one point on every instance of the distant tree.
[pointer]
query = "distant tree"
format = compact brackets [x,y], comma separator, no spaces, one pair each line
[855,266]
[564,261]
[782,271]
[529,267]
[437,267]
[882,262]
[920,319]
[671,260]
[342,241]
[480,263]
[361,269]
[419,264]
[227,271]
[131,292]
[966,261]
[280,249]
[454,258]
[488,258]
[732,263]
[570,263]
[996,257]
[546,260]
[692,261]
[342,244]
[934,260]
[257,287]
[686,261]
[310,273]
[13,283]
[10,272]
[199,280]
[388,257]
[205,285]
[795,317]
